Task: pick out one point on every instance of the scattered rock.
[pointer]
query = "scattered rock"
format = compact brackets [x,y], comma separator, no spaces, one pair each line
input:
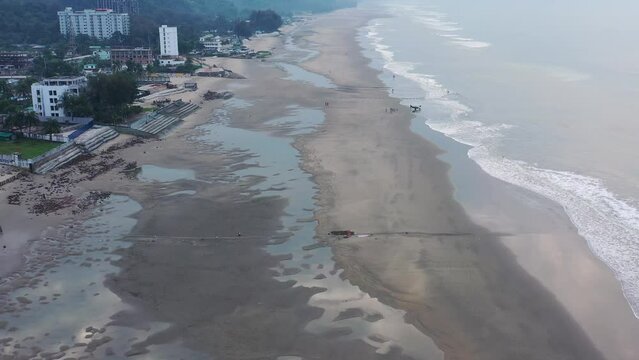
[338,332]
[291,271]
[373,317]
[136,351]
[95,343]
[350,314]
[214,95]
[52,356]
[23,300]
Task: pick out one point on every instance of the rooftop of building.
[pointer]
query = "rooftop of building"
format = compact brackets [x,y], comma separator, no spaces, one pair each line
[122,48]
[99,10]
[68,77]
[62,80]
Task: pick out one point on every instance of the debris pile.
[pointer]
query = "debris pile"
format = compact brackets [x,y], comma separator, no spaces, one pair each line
[345,233]
[14,199]
[131,170]
[214,95]
[49,205]
[92,199]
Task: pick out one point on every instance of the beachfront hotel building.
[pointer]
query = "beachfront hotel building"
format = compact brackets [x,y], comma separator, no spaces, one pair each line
[47,94]
[98,23]
[168,41]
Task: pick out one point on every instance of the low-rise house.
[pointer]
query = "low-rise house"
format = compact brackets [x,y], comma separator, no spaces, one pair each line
[13,62]
[222,45]
[89,69]
[47,94]
[139,55]
[170,61]
[101,53]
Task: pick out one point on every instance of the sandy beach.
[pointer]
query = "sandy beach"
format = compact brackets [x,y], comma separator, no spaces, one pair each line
[215,247]
[463,285]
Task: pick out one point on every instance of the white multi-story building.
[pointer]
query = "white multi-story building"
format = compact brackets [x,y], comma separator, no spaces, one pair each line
[168,41]
[47,94]
[98,23]
[214,43]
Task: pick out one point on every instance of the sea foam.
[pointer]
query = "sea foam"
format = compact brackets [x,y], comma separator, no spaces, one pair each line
[442,26]
[609,224]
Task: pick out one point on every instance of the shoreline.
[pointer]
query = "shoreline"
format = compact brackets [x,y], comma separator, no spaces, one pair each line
[464,292]
[347,253]
[233,288]
[552,248]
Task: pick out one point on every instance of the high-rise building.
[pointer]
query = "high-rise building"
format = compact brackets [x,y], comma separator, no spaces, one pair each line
[168,41]
[99,23]
[120,6]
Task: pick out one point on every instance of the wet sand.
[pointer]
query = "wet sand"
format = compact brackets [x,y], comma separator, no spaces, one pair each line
[187,280]
[189,267]
[274,292]
[465,288]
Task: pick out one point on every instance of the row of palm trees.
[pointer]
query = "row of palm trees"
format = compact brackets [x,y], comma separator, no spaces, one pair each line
[19,121]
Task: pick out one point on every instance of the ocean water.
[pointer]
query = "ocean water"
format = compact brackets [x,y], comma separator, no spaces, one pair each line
[544,95]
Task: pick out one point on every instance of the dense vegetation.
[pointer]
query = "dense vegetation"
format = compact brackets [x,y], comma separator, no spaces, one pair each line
[18,121]
[14,96]
[36,22]
[107,99]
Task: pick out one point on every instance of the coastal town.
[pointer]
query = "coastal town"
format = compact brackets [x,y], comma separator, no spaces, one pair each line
[55,122]
[318,180]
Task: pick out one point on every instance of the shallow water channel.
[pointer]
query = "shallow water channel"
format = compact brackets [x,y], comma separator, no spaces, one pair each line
[348,312]
[68,311]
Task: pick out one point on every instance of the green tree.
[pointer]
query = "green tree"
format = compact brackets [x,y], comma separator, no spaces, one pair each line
[30,119]
[8,106]
[23,87]
[51,127]
[243,28]
[48,65]
[14,121]
[265,20]
[76,105]
[133,67]
[111,95]
[19,120]
[6,90]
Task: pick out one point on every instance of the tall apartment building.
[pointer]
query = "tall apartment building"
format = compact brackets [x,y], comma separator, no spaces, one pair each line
[120,6]
[47,94]
[168,41]
[98,23]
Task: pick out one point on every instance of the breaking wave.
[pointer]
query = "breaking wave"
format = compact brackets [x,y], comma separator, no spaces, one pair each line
[609,224]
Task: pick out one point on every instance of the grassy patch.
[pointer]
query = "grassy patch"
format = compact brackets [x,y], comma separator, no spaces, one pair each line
[29,148]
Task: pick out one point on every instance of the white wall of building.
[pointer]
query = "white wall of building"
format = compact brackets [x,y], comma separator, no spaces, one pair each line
[101,24]
[47,95]
[171,62]
[168,41]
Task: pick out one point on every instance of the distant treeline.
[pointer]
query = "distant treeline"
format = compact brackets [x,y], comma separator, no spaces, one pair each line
[36,21]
